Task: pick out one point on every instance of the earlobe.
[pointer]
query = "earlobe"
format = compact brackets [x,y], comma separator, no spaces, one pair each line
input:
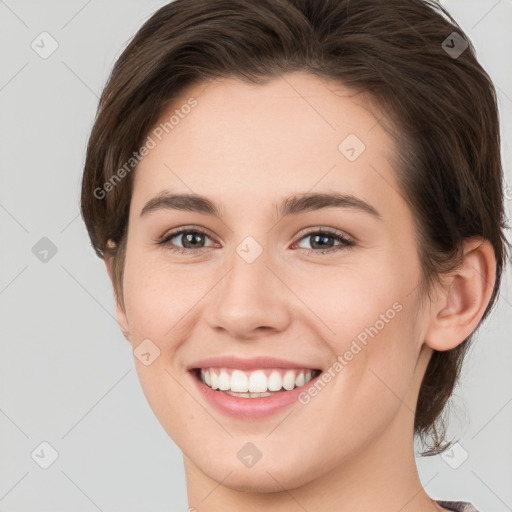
[120,311]
[463,299]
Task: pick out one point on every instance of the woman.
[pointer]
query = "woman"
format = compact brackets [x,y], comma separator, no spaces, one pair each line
[299,204]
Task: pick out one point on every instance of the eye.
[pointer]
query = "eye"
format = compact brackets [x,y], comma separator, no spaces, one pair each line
[192,239]
[322,241]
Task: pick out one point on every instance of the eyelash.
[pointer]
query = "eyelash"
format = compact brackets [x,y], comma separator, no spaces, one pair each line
[345,242]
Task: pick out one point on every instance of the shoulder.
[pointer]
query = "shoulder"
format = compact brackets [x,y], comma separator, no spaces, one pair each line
[458,506]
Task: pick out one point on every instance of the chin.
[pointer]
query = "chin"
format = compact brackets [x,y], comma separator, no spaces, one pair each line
[269,476]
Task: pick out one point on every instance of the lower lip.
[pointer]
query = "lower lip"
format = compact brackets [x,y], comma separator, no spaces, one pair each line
[250,408]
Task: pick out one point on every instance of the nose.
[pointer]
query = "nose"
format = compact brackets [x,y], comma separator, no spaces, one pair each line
[251,300]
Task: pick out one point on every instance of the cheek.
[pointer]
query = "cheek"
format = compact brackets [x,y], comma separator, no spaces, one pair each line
[158,297]
[160,302]
[353,300]
[371,322]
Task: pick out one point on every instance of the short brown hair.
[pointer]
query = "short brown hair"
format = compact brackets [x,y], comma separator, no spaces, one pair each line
[442,107]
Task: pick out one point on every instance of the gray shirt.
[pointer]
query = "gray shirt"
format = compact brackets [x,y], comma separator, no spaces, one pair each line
[458,506]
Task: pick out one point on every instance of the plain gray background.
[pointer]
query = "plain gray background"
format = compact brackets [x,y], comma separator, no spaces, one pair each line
[67,374]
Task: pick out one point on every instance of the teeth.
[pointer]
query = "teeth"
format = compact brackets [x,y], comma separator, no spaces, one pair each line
[239,381]
[248,395]
[289,380]
[275,381]
[255,383]
[215,380]
[224,381]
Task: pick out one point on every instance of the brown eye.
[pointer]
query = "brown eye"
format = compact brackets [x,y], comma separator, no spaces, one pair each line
[192,240]
[324,241]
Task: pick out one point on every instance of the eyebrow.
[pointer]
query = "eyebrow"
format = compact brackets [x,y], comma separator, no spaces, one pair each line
[292,205]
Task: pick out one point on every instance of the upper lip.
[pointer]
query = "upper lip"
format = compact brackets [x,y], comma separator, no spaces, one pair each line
[247,363]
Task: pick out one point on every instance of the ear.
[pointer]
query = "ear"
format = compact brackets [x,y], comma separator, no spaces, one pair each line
[120,311]
[463,297]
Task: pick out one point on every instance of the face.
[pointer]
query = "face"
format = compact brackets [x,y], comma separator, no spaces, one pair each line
[297,271]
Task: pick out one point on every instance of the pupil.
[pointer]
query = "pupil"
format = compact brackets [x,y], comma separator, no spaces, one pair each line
[316,237]
[190,238]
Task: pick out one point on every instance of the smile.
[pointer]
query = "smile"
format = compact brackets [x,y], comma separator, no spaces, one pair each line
[251,388]
[256,383]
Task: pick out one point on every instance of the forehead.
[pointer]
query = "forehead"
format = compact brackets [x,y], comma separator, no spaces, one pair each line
[291,134]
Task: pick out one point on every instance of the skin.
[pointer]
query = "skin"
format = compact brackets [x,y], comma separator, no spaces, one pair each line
[246,147]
